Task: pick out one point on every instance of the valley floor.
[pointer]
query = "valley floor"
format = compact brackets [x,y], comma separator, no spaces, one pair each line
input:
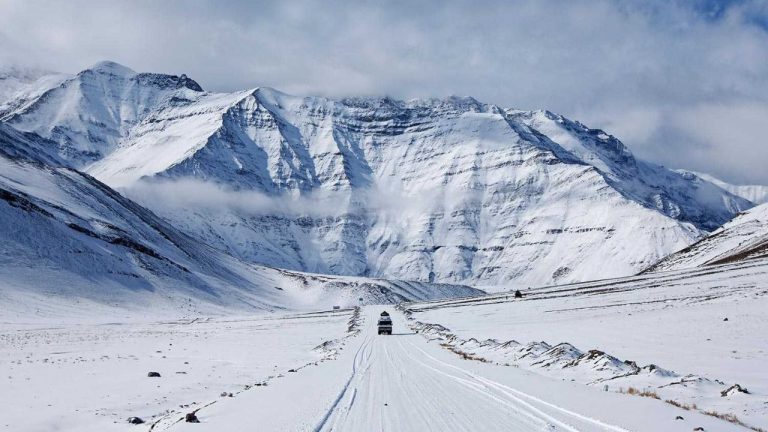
[93,377]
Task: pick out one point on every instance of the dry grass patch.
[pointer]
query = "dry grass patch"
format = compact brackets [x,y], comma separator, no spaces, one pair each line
[642,393]
[462,354]
[682,405]
[730,418]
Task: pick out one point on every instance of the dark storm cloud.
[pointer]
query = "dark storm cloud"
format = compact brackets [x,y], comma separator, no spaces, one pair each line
[682,83]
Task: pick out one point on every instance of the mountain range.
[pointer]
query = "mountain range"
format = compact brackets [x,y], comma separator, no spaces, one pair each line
[445,190]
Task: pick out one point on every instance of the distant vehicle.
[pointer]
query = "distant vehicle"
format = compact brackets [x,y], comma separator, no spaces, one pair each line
[385,324]
[336,307]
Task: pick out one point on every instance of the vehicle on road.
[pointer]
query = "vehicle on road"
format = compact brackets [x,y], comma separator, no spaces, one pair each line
[385,324]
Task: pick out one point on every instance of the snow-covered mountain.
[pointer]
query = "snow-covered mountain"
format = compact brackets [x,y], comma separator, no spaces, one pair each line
[449,190]
[69,237]
[19,82]
[88,114]
[758,194]
[743,238]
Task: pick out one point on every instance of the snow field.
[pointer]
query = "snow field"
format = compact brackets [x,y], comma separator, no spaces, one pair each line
[407,382]
[702,330]
[93,377]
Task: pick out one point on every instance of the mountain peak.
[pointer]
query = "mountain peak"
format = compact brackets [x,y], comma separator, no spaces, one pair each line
[112,68]
[153,79]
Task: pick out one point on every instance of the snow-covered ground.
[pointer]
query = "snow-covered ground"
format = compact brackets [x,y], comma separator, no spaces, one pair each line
[98,289]
[93,376]
[82,377]
[406,382]
[702,329]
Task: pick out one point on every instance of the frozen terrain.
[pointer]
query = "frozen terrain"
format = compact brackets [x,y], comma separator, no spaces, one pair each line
[283,377]
[685,336]
[446,190]
[92,376]
[18,82]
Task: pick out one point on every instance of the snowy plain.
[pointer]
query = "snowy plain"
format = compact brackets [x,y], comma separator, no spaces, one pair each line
[330,371]
[92,376]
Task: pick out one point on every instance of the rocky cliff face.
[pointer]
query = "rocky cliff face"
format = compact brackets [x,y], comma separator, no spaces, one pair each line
[449,190]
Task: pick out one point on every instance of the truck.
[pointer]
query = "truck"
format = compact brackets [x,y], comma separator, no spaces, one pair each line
[385,324]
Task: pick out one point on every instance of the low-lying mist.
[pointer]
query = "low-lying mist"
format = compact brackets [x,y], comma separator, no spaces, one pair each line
[165,195]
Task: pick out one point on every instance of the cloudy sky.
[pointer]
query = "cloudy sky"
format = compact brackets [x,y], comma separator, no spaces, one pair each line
[682,83]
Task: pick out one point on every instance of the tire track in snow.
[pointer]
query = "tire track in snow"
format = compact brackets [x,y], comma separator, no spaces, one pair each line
[543,420]
[335,408]
[519,396]
[396,384]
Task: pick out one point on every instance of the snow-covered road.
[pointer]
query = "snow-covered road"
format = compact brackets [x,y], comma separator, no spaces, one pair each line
[406,382]
[397,385]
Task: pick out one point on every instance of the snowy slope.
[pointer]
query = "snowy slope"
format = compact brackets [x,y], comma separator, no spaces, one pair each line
[448,190]
[743,238]
[758,194]
[68,238]
[696,200]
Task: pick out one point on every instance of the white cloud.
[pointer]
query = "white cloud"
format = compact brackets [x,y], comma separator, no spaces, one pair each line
[733,138]
[633,66]
[389,200]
